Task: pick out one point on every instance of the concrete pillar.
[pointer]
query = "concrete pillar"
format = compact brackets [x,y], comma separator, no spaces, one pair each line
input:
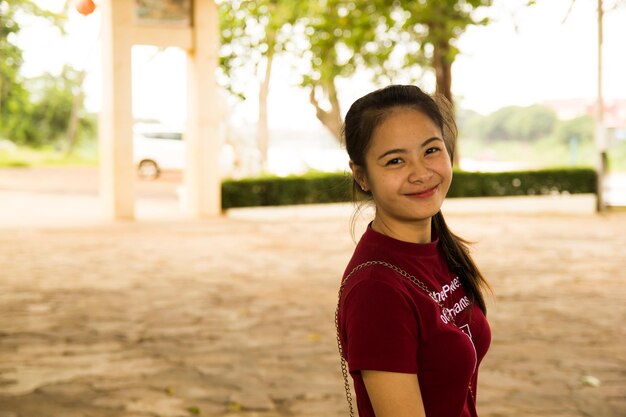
[120,31]
[202,183]
[117,173]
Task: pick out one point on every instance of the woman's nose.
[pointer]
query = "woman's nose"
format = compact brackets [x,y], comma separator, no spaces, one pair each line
[419,173]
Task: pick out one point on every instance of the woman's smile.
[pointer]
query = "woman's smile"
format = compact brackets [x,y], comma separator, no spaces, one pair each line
[423,194]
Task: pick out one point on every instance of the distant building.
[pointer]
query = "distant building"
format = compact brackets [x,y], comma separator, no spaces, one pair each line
[614,110]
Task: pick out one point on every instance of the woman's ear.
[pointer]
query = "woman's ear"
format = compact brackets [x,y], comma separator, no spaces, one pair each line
[358,173]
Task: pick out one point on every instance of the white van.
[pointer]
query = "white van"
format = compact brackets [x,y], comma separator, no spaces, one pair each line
[158,148]
[155,151]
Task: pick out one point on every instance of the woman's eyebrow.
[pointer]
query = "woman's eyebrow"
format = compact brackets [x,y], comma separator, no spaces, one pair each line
[403,151]
[392,151]
[429,141]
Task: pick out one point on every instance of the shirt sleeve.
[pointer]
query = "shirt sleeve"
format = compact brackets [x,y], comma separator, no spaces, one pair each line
[381,331]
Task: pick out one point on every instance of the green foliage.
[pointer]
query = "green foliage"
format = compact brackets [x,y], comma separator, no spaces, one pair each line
[52,101]
[327,188]
[432,23]
[251,31]
[546,152]
[469,123]
[342,36]
[14,98]
[331,39]
[617,156]
[193,410]
[274,191]
[44,112]
[496,125]
[533,122]
[49,156]
[548,181]
[581,128]
[514,123]
[13,123]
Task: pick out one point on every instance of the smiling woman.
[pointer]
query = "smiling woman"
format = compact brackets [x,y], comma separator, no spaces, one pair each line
[408,174]
[411,315]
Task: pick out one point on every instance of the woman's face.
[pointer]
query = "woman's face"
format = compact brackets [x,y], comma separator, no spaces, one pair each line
[408,169]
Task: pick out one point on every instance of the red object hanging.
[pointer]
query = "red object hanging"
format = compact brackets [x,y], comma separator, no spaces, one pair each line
[85,7]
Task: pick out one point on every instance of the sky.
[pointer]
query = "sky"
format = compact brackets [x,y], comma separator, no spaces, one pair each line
[526,55]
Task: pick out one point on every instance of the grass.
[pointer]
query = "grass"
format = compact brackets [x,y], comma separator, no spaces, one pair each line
[48,156]
[544,153]
[617,157]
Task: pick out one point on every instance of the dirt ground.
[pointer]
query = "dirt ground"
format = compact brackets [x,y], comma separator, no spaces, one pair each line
[234,316]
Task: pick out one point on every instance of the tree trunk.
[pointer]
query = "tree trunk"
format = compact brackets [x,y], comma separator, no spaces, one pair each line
[600,133]
[443,74]
[77,104]
[331,118]
[1,97]
[443,70]
[262,133]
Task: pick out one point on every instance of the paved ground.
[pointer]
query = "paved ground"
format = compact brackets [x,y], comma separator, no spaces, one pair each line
[234,316]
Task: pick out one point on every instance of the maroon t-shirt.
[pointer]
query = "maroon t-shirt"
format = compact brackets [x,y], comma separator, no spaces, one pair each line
[386,323]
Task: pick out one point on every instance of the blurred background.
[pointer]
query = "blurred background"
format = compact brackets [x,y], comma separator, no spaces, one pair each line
[232,316]
[523,77]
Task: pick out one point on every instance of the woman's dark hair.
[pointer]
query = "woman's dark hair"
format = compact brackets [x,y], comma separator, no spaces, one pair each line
[362,119]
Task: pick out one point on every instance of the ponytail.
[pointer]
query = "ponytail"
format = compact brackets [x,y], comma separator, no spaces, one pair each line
[456,253]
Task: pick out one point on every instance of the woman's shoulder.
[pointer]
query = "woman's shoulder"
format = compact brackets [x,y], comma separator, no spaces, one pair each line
[372,277]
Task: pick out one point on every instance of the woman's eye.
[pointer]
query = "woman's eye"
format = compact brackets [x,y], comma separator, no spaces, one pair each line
[394,161]
[432,150]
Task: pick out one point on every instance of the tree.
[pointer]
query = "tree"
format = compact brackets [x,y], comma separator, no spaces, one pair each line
[532,123]
[252,33]
[469,123]
[518,123]
[579,128]
[52,101]
[345,35]
[436,25]
[14,98]
[385,38]
[495,126]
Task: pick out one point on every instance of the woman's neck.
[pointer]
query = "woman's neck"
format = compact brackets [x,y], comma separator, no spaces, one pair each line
[414,232]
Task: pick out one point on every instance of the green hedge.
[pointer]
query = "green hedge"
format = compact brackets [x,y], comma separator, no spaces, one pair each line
[332,188]
[277,191]
[483,184]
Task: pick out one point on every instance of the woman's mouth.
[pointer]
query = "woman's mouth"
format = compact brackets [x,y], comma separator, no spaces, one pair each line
[423,194]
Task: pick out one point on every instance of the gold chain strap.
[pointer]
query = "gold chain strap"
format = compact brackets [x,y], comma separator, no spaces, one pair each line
[417,283]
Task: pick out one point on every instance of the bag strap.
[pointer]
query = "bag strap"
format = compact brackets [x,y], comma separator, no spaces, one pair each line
[419,284]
